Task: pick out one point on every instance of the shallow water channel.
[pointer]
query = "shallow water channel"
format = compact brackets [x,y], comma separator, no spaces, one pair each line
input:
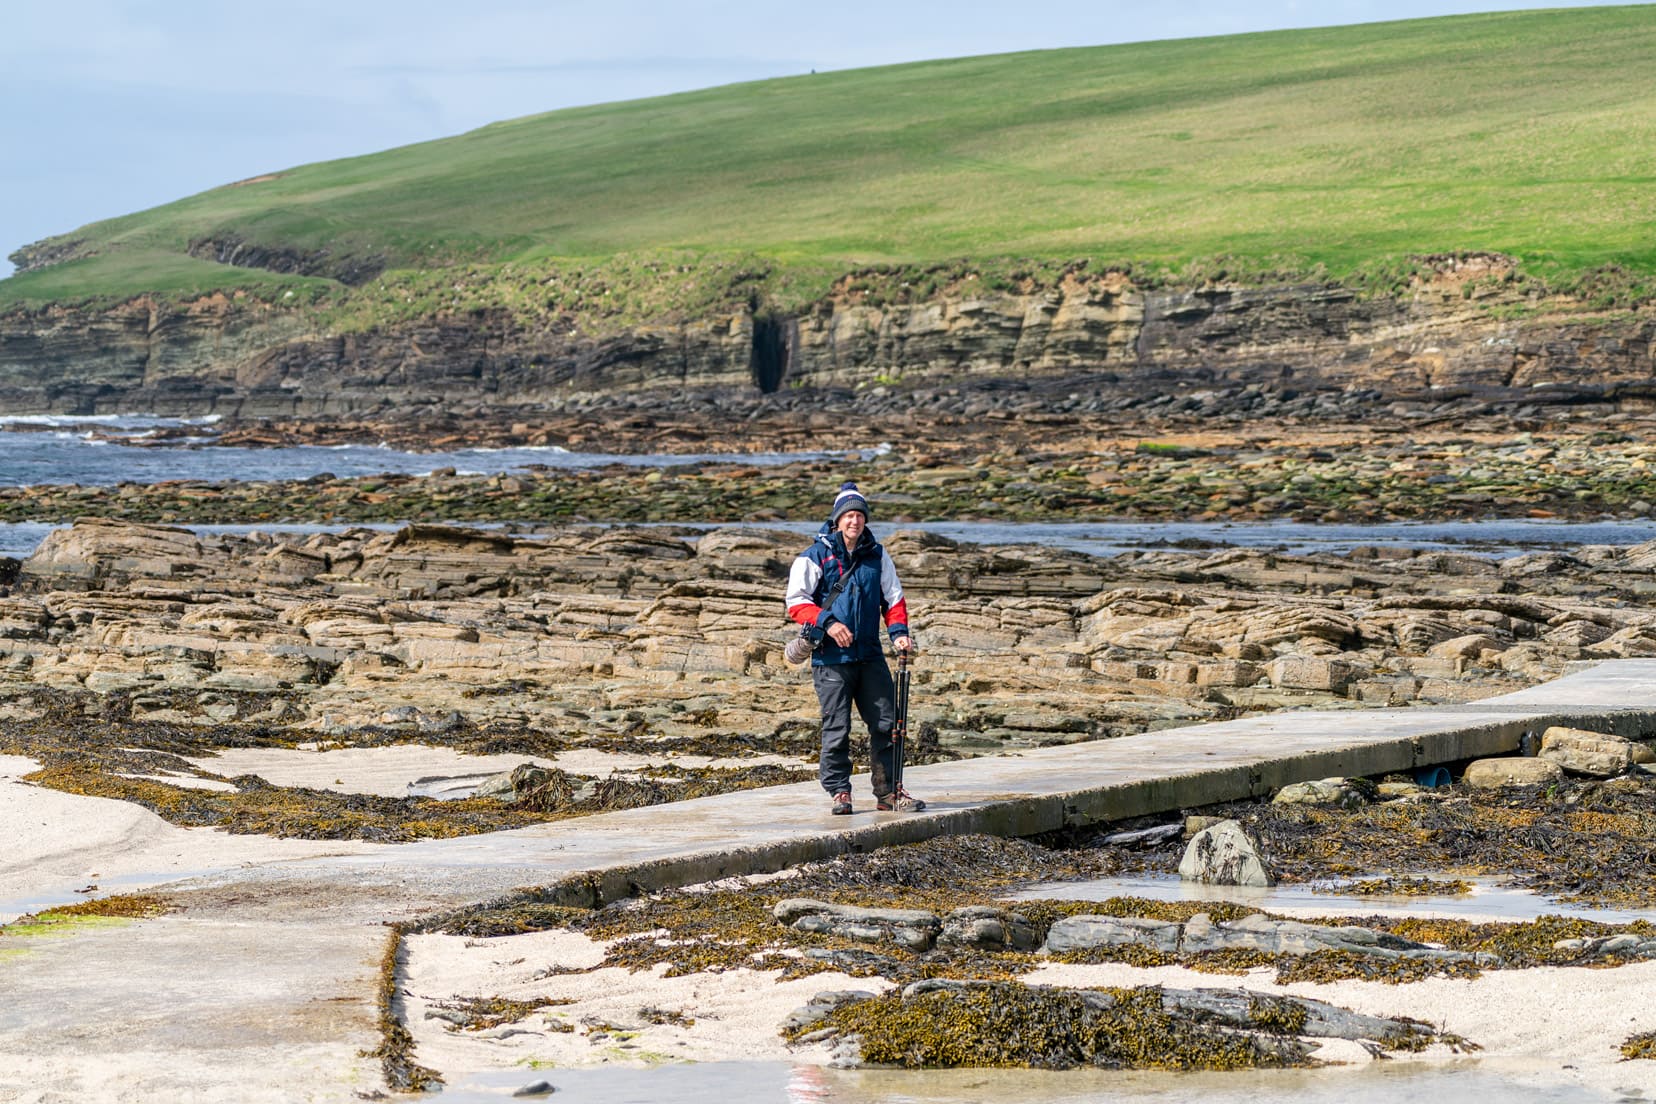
[1496,537]
[1396,1082]
[1488,899]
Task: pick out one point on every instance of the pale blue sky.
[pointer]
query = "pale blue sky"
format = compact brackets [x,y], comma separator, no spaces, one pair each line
[112,106]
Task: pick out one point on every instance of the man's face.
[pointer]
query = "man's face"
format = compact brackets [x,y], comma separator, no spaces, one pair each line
[851,526]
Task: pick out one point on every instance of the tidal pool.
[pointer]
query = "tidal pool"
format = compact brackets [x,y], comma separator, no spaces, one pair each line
[1488,900]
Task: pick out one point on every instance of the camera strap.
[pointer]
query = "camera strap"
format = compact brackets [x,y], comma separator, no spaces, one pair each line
[806,630]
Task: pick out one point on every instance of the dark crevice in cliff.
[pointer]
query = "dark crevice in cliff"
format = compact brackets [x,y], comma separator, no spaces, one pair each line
[232,249]
[772,349]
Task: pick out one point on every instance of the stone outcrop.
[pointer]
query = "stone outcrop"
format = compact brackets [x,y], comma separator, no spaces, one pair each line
[234,356]
[983,927]
[1256,933]
[594,630]
[1592,754]
[1492,774]
[911,929]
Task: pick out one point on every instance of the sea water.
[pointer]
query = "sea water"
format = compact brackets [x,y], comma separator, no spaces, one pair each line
[109,451]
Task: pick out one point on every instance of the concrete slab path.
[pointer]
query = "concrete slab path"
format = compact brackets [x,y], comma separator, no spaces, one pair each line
[262,987]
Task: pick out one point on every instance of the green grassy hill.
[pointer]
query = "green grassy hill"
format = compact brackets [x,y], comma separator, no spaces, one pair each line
[1334,151]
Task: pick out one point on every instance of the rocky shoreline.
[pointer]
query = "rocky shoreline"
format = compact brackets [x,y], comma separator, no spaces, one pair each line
[623,639]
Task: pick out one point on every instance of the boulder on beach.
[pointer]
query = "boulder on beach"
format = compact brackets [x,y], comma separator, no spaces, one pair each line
[1224,854]
[1490,774]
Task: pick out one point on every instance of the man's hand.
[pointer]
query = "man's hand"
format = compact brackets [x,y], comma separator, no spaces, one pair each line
[840,633]
[903,644]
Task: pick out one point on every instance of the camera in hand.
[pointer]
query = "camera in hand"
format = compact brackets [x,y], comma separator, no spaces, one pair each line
[799,649]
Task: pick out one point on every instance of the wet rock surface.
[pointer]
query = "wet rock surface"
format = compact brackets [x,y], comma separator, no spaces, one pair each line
[966,460]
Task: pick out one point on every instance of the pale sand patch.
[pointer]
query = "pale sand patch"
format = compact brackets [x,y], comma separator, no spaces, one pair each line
[57,844]
[388,771]
[736,1012]
[185,781]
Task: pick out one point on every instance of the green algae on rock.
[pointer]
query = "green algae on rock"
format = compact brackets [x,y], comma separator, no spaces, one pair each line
[65,919]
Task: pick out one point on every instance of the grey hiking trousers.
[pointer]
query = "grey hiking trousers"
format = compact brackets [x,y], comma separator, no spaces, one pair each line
[868,686]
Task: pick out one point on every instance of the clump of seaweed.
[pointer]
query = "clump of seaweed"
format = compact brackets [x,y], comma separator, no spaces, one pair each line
[396,1049]
[1404,886]
[257,807]
[1579,841]
[1011,1025]
[129,906]
[89,745]
[122,906]
[675,1017]
[1642,1045]
[948,863]
[483,1013]
[1324,967]
[1543,941]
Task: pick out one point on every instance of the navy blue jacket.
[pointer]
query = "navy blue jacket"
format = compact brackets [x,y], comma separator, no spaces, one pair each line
[873,594]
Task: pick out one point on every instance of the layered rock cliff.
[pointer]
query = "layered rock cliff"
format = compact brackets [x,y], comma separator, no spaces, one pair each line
[225,355]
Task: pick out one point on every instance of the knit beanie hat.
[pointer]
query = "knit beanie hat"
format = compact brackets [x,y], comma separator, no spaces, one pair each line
[849,498]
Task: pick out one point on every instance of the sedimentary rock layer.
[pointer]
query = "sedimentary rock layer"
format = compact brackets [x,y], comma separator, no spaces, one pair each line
[1462,332]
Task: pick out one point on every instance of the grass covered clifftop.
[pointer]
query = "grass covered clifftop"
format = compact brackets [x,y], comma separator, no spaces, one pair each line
[1335,153]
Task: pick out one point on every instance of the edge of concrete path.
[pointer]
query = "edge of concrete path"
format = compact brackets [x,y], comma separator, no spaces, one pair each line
[1497,727]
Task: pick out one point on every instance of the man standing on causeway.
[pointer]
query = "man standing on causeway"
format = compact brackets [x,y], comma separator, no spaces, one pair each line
[840,589]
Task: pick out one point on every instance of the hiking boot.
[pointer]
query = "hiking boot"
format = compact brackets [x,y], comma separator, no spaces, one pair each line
[899,801]
[842,804]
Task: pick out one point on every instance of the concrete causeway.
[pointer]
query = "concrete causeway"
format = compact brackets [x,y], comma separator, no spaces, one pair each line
[1018,793]
[268,973]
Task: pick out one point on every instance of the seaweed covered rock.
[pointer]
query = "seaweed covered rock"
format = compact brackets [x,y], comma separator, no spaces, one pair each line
[941,1023]
[985,927]
[1265,935]
[1080,933]
[1322,791]
[800,1022]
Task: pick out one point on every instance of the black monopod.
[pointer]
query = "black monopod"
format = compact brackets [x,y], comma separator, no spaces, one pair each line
[899,731]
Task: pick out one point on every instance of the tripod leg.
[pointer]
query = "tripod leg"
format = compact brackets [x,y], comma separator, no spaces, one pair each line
[899,731]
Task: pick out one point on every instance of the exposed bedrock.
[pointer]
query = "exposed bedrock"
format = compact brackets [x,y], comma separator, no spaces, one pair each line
[678,632]
[232,356]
